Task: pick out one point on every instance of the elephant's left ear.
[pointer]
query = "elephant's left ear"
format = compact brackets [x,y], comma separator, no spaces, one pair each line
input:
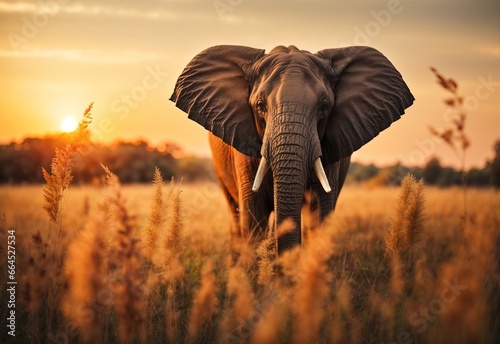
[213,90]
[370,94]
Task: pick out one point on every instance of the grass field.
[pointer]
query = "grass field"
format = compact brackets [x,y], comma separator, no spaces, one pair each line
[153,264]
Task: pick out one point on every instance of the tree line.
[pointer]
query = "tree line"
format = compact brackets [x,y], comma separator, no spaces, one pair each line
[134,162]
[433,173]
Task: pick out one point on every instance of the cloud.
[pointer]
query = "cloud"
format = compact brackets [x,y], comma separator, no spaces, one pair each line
[86,56]
[18,7]
[55,7]
[488,50]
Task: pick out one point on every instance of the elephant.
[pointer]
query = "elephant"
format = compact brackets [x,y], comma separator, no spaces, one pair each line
[285,123]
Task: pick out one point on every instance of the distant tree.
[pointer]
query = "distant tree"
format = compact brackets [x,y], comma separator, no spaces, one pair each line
[132,162]
[22,162]
[388,175]
[192,169]
[432,171]
[479,177]
[450,177]
[494,166]
[359,172]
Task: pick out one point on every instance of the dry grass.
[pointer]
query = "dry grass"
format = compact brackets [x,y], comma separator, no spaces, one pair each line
[407,225]
[454,136]
[59,178]
[340,287]
[204,302]
[156,218]
[266,253]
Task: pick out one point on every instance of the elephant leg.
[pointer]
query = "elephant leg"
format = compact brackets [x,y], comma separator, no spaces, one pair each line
[235,174]
[336,174]
[342,173]
[254,207]
[259,219]
[321,203]
[234,212]
[225,173]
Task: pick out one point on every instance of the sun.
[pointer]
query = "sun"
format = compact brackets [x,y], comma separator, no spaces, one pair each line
[68,125]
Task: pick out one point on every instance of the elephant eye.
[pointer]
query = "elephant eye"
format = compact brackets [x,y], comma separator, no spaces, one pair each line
[261,106]
[323,107]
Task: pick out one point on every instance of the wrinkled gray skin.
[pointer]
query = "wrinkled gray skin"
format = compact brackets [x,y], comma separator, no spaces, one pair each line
[289,107]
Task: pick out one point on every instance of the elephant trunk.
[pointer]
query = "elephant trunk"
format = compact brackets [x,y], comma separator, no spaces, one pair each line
[291,148]
[288,195]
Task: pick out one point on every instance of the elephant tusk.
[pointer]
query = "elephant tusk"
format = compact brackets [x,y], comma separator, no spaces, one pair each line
[320,173]
[261,172]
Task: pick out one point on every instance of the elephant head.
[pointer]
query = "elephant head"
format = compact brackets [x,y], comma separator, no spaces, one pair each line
[295,110]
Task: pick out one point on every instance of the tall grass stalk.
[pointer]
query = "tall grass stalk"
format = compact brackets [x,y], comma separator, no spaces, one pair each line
[126,261]
[266,255]
[156,217]
[60,176]
[173,271]
[407,225]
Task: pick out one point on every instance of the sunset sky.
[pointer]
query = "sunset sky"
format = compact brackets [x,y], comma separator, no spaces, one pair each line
[57,56]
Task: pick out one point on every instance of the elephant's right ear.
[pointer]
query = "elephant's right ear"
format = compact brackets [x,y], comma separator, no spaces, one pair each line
[214,89]
[370,94]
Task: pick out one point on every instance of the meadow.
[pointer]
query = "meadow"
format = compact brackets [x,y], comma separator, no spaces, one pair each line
[155,263]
